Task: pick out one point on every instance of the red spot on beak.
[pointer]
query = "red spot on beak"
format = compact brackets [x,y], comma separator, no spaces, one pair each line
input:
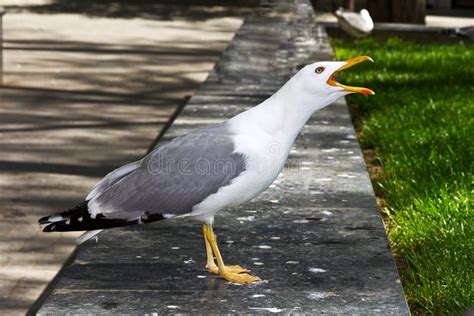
[366,91]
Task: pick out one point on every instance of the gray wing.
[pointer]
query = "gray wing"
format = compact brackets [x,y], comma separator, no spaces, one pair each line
[173,178]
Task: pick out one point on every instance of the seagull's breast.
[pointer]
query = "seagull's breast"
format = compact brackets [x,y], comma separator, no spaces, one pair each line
[264,155]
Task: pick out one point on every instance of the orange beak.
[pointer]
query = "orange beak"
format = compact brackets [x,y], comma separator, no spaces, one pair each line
[350,63]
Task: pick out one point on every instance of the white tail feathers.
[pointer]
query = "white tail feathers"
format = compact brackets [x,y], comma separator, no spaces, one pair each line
[88,235]
[55,218]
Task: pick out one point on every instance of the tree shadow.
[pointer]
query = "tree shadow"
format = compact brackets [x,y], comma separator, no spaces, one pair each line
[137,88]
[164,10]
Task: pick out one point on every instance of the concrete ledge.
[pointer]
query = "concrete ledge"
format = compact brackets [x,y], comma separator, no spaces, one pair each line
[315,237]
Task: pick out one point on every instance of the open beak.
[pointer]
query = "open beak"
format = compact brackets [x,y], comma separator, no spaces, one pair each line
[349,63]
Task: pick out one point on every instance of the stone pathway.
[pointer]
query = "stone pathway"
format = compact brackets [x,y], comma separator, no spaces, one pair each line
[83,96]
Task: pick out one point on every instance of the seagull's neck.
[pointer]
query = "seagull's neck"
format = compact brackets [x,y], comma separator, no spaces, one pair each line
[284,113]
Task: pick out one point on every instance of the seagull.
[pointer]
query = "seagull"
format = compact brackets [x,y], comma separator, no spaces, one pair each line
[355,24]
[207,170]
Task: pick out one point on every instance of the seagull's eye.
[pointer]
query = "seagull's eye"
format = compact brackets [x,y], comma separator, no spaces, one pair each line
[319,70]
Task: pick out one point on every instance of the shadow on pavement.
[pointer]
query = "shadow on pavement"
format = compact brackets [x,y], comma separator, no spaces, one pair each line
[163,10]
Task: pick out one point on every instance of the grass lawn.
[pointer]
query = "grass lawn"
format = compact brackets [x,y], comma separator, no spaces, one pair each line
[418,135]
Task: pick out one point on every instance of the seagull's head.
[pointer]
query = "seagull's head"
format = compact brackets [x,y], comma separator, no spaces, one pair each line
[318,80]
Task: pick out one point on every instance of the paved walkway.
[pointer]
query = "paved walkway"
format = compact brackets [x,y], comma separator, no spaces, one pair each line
[84,95]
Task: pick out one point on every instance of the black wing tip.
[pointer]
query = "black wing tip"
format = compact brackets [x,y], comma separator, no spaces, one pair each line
[62,225]
[44,220]
[49,228]
[78,219]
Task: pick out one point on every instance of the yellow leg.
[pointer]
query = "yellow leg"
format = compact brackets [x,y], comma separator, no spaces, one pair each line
[234,274]
[211,265]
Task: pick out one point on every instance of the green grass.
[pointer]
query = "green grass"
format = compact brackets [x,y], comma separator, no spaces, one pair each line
[420,124]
